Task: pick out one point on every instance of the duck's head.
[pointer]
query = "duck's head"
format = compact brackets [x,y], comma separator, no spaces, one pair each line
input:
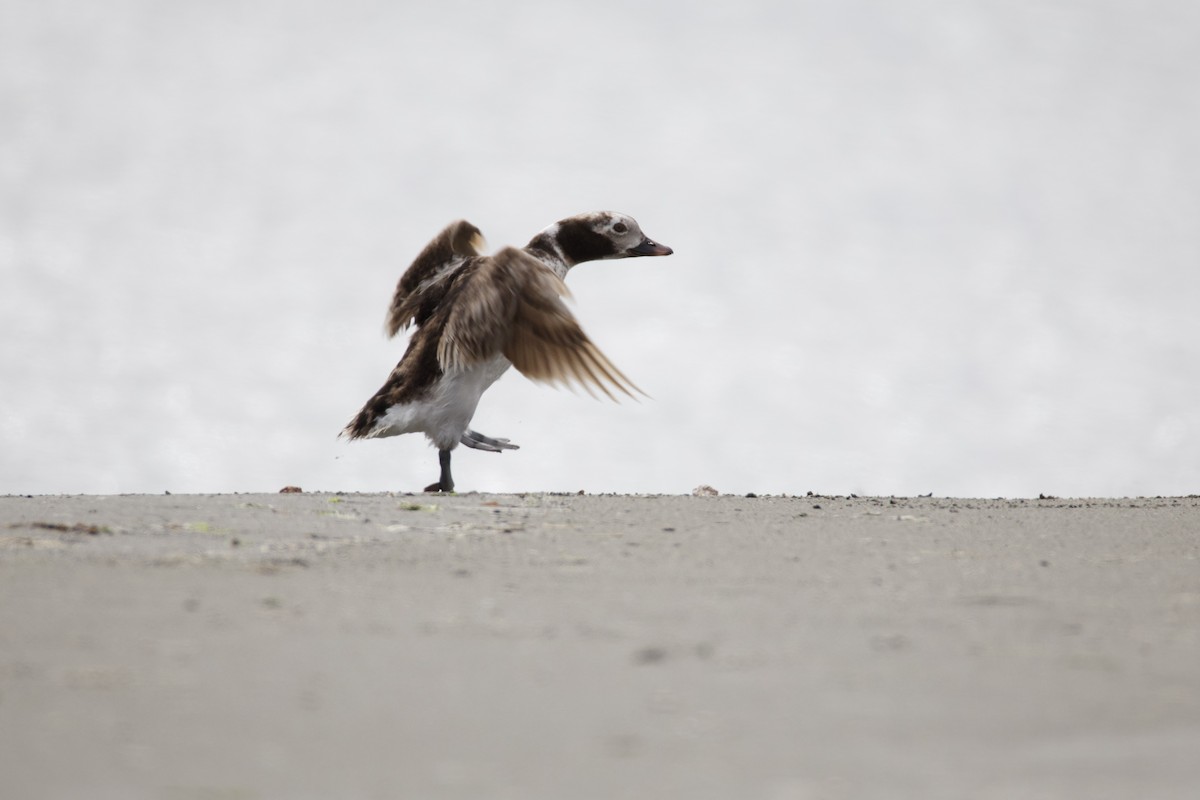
[595,236]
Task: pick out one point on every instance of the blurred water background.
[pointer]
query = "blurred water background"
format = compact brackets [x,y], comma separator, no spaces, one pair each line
[945,246]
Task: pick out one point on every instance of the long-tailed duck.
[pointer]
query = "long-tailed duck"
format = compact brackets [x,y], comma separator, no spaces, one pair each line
[477,315]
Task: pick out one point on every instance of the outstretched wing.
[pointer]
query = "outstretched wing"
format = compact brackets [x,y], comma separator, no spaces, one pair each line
[423,284]
[511,304]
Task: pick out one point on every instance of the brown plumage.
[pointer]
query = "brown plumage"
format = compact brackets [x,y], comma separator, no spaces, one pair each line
[512,304]
[476,315]
[457,242]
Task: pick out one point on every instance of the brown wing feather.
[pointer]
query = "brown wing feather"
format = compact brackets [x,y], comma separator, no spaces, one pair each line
[481,311]
[513,305]
[417,292]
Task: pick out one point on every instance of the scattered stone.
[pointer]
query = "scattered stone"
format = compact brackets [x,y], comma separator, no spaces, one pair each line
[704,490]
[417,507]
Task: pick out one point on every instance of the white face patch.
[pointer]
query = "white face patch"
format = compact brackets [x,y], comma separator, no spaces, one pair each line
[621,229]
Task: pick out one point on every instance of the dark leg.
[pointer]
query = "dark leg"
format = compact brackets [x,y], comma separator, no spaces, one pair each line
[445,483]
[478,441]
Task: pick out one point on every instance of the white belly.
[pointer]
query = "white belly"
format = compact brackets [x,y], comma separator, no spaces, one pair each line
[445,412]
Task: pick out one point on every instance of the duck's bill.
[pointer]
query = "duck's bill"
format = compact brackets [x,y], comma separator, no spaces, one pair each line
[649,248]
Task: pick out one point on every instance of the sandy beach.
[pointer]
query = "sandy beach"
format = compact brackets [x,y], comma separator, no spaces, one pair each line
[576,646]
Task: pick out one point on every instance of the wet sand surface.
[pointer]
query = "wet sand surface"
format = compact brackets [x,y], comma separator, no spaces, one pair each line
[548,646]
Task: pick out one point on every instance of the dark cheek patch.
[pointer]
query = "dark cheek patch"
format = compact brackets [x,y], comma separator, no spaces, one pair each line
[580,243]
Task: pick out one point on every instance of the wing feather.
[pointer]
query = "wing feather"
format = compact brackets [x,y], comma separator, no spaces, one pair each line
[482,307]
[423,285]
[511,304]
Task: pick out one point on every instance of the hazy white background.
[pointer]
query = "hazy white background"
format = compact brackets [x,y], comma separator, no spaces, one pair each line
[941,246]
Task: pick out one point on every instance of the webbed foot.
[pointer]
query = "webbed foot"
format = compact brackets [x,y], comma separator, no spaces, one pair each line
[478,441]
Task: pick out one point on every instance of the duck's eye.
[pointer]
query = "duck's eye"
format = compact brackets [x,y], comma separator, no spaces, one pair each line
[620,227]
